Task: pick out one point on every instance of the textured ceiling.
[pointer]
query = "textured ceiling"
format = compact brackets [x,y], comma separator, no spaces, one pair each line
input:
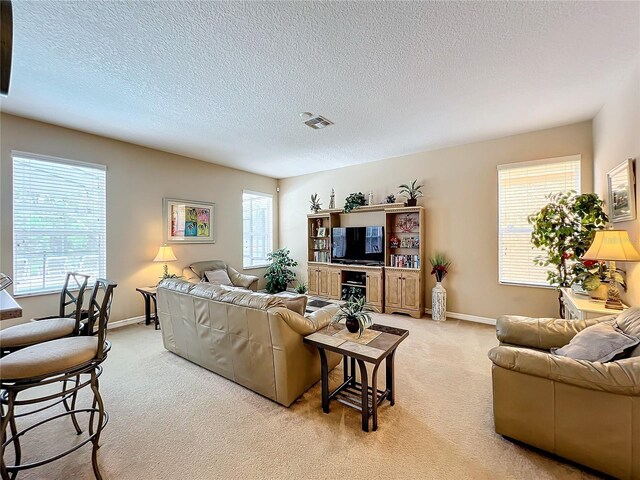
[225,82]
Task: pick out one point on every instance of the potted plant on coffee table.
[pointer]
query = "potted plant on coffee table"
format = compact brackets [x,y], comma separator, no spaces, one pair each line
[356,313]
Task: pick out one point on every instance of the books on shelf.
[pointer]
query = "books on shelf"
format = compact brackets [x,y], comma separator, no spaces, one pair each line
[321,256]
[404,261]
[321,243]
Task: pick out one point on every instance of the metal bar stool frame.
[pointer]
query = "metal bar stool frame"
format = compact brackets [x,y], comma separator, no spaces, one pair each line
[98,313]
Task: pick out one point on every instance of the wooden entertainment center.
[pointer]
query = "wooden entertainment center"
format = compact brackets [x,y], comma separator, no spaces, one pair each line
[395,286]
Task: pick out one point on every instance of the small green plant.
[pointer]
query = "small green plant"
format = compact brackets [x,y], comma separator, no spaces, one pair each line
[279,273]
[390,198]
[353,200]
[315,203]
[357,314]
[301,288]
[412,191]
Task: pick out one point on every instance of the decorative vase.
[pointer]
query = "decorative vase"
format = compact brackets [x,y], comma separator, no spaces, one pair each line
[352,325]
[439,302]
[599,293]
[412,202]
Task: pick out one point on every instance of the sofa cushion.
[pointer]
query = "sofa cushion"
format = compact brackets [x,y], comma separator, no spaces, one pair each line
[200,267]
[218,277]
[598,343]
[297,304]
[629,322]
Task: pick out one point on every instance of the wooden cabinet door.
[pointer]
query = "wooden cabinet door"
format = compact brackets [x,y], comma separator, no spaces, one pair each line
[393,290]
[312,280]
[411,290]
[374,288]
[335,283]
[323,282]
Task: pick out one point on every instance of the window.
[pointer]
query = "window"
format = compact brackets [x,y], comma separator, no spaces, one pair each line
[522,191]
[257,228]
[59,226]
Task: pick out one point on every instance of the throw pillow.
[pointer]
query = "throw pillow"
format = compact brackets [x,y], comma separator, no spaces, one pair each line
[597,343]
[218,277]
[296,304]
[629,322]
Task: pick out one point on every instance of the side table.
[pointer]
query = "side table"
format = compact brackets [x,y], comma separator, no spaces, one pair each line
[149,294]
[363,396]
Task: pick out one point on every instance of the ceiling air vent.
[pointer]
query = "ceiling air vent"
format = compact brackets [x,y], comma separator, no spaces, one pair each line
[318,122]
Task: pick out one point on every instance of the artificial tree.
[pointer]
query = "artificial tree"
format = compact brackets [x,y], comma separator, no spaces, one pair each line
[564,229]
[279,273]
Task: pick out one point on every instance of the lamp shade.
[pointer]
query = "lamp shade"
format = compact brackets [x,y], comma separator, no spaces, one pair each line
[165,254]
[612,245]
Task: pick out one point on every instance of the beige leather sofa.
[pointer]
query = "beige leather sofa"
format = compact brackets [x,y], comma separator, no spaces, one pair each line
[587,412]
[249,338]
[194,273]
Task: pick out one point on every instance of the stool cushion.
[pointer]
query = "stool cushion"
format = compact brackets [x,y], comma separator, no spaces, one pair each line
[55,356]
[31,333]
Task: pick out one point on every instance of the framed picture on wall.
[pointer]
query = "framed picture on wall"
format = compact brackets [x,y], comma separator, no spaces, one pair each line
[622,192]
[187,221]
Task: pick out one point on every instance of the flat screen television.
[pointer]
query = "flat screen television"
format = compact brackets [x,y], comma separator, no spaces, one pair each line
[364,245]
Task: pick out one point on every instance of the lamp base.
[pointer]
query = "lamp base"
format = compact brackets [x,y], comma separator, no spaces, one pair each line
[613,292]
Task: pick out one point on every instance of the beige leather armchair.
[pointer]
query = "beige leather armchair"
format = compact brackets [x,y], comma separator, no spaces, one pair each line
[194,273]
[587,412]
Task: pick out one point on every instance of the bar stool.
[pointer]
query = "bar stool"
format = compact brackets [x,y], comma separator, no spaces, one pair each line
[76,358]
[67,323]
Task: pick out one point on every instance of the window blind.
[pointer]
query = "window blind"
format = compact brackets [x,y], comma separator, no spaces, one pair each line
[522,191]
[59,222]
[257,228]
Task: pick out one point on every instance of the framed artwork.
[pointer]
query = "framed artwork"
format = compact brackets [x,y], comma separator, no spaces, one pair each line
[322,232]
[187,221]
[622,192]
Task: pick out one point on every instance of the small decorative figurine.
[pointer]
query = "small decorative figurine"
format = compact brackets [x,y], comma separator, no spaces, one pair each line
[370,197]
[332,200]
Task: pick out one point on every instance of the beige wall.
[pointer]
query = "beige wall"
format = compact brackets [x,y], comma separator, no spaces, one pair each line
[461,206]
[137,180]
[616,137]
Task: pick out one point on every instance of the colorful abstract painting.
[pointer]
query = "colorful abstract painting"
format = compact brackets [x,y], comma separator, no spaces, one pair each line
[188,222]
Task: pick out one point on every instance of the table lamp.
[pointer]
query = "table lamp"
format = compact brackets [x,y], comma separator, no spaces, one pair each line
[165,254]
[612,246]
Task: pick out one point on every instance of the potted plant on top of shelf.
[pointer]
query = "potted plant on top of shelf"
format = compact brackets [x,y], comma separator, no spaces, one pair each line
[315,203]
[412,192]
[356,313]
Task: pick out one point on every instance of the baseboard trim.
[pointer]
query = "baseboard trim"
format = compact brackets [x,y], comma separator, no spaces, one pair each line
[467,317]
[125,322]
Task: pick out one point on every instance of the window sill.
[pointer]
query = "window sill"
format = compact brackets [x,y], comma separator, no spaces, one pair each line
[529,285]
[256,267]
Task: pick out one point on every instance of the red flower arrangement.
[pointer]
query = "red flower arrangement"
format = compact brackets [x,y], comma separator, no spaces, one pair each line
[441,265]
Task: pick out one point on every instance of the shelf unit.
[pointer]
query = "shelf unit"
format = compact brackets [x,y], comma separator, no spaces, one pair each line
[396,287]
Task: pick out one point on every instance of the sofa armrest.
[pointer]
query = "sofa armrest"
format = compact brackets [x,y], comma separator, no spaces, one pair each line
[620,377]
[308,324]
[542,333]
[250,282]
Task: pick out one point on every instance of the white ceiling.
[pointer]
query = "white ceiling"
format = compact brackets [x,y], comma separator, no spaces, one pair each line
[225,82]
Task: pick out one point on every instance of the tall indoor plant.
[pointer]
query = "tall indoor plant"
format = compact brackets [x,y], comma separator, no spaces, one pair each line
[563,229]
[279,273]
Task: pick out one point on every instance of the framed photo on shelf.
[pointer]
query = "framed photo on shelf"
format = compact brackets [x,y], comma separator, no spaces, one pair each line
[187,221]
[622,192]
[322,231]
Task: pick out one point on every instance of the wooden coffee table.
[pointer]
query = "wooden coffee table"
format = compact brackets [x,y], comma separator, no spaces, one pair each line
[362,396]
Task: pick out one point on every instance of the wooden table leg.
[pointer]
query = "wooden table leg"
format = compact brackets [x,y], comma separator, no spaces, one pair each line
[365,395]
[353,372]
[374,397]
[147,309]
[345,368]
[324,367]
[156,323]
[391,385]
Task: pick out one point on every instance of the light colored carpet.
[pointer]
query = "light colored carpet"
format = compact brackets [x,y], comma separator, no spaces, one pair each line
[171,419]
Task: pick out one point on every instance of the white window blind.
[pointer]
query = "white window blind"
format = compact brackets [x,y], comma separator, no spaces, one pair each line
[257,228]
[59,222]
[522,191]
